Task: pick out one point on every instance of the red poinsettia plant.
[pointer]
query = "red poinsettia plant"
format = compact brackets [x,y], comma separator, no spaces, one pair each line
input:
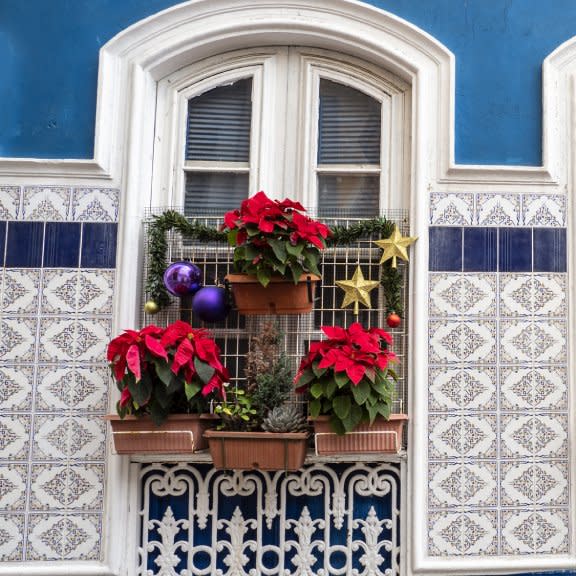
[348,376]
[272,237]
[161,371]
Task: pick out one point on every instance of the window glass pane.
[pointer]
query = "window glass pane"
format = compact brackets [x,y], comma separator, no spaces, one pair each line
[214,192]
[354,195]
[219,124]
[349,126]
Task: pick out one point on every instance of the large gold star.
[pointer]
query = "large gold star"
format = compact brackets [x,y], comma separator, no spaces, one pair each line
[357,290]
[395,246]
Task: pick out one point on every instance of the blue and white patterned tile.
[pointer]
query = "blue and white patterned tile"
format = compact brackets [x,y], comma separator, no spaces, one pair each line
[46,203]
[60,292]
[466,341]
[67,487]
[457,484]
[462,436]
[462,295]
[13,487]
[527,341]
[20,291]
[9,202]
[18,340]
[11,537]
[14,437]
[540,435]
[64,537]
[498,210]
[63,438]
[81,340]
[544,210]
[538,388]
[528,483]
[535,532]
[463,533]
[79,388]
[16,383]
[533,295]
[95,205]
[451,209]
[462,388]
[95,292]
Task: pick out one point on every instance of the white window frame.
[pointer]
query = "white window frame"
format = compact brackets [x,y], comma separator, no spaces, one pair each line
[292,112]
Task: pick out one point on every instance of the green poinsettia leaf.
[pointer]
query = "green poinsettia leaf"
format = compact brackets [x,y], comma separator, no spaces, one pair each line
[330,388]
[204,370]
[372,412]
[191,390]
[337,425]
[361,392]
[341,379]
[263,277]
[384,410]
[317,390]
[314,407]
[175,385]
[318,372]
[163,371]
[341,406]
[279,249]
[158,413]
[294,250]
[305,378]
[296,271]
[141,390]
[162,396]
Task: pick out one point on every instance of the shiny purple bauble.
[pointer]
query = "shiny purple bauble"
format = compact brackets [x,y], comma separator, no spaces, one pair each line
[211,304]
[182,278]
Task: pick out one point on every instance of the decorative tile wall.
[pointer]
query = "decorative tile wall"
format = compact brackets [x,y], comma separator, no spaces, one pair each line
[498,395]
[57,260]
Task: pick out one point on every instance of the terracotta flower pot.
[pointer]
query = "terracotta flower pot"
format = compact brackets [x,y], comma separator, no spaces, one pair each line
[257,450]
[382,436]
[179,434]
[281,296]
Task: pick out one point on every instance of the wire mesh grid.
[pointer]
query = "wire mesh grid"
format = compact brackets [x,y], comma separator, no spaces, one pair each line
[337,263]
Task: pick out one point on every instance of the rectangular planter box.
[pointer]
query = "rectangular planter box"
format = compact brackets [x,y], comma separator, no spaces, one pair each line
[179,434]
[257,450]
[382,436]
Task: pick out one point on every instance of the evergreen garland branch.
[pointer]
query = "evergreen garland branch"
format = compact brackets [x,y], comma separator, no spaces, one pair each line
[390,279]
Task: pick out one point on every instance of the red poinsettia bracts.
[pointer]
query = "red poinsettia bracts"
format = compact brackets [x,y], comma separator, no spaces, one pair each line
[274,237]
[160,370]
[348,375]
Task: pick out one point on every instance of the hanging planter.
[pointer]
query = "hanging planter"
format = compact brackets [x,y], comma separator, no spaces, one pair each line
[280,296]
[257,450]
[381,436]
[178,434]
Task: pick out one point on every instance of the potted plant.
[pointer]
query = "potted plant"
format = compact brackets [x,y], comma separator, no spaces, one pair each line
[260,428]
[274,243]
[166,377]
[351,387]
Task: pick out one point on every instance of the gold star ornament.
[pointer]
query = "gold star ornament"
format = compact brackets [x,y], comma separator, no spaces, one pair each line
[357,290]
[395,246]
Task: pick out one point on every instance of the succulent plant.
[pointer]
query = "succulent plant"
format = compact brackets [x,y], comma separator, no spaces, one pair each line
[285,418]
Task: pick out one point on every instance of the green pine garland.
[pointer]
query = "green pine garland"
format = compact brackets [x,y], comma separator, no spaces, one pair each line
[390,279]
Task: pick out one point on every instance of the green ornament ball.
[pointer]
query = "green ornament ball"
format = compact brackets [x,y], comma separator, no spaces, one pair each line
[151,307]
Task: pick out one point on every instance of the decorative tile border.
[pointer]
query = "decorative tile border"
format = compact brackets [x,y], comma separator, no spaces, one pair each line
[494,209]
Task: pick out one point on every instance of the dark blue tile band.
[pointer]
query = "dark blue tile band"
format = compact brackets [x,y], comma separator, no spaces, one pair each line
[480,249]
[98,245]
[24,244]
[488,249]
[515,249]
[62,245]
[2,242]
[445,249]
[549,250]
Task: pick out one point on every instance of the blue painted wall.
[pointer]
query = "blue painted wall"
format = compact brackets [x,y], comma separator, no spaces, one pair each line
[49,60]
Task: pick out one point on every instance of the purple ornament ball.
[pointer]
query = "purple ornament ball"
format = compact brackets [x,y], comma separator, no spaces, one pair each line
[211,304]
[182,278]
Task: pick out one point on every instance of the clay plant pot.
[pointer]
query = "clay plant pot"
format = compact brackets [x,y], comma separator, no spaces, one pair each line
[382,436]
[281,296]
[257,450]
[179,434]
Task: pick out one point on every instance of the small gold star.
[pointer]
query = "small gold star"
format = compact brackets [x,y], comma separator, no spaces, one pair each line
[395,246]
[357,290]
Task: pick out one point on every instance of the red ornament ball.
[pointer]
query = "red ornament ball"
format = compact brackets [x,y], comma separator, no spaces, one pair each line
[393,320]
